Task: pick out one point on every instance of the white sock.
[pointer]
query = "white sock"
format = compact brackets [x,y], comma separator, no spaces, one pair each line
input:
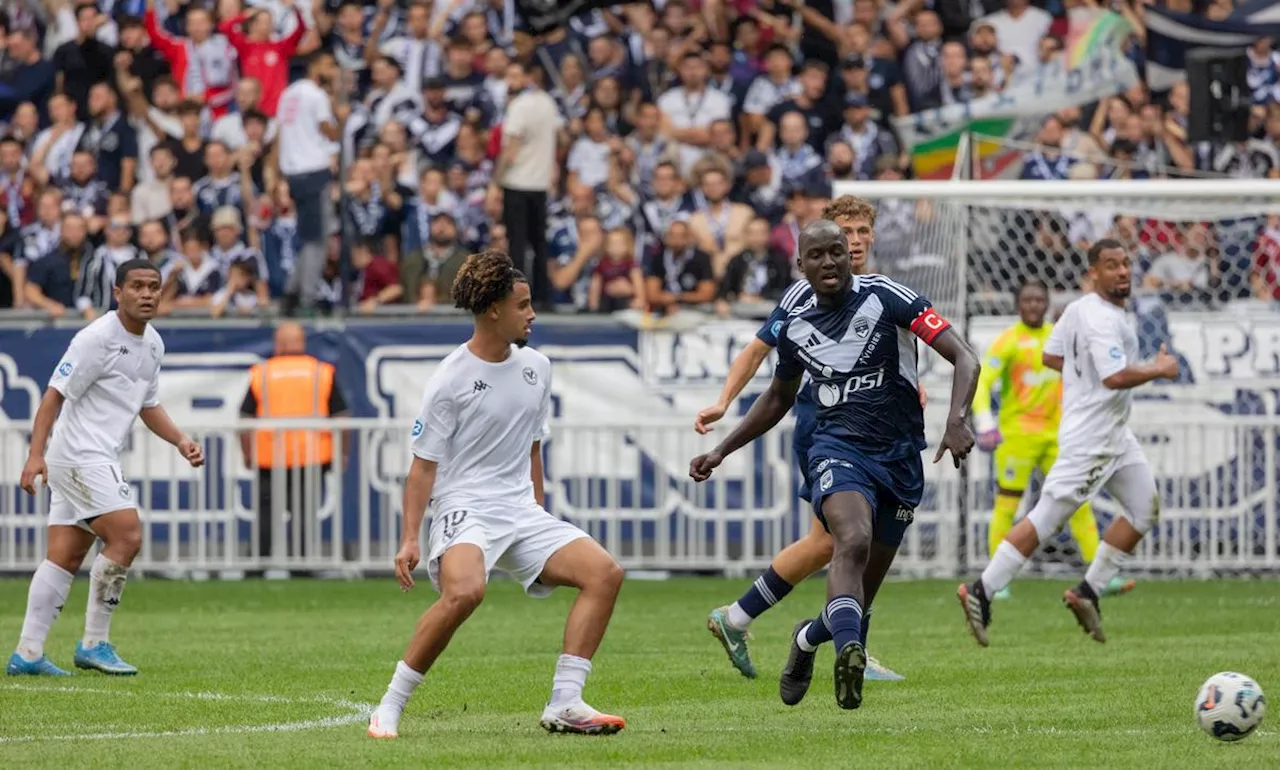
[106,583]
[1004,567]
[570,678]
[1107,563]
[49,588]
[738,618]
[403,682]
[802,642]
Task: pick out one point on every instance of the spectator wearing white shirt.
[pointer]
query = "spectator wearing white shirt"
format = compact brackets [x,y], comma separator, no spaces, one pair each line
[1019,28]
[309,124]
[774,86]
[589,158]
[689,110]
[229,129]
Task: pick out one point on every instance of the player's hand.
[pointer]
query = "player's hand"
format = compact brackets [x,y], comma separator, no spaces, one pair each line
[408,558]
[701,467]
[712,414]
[958,439]
[1166,364]
[192,452]
[35,467]
[988,440]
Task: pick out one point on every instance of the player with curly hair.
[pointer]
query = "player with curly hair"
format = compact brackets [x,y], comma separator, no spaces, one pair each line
[477,459]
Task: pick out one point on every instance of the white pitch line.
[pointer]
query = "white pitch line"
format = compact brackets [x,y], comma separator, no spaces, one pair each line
[356,712]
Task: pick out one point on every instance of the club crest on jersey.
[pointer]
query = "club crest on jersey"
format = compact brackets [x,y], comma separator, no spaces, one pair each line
[126,491]
[828,478]
[861,328]
[530,376]
[65,369]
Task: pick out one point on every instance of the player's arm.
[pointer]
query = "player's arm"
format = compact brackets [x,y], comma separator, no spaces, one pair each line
[741,371]
[765,413]
[1055,348]
[535,470]
[1104,344]
[46,416]
[917,314]
[430,443]
[544,432]
[983,420]
[1164,366]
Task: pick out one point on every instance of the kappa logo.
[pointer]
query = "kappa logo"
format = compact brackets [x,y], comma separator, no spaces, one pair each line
[124,351]
[861,328]
[479,385]
[530,376]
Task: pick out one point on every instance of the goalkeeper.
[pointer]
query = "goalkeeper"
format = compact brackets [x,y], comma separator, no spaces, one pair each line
[1026,437]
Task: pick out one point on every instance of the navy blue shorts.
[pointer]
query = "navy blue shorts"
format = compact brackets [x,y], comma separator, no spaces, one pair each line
[802,441]
[892,487]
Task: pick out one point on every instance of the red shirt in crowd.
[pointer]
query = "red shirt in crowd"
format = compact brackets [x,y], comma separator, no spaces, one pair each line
[380,274]
[265,61]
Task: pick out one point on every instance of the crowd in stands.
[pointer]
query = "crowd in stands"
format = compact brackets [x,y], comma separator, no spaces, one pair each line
[696,138]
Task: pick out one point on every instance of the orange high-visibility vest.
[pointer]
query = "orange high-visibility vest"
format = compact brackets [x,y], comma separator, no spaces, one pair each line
[292,386]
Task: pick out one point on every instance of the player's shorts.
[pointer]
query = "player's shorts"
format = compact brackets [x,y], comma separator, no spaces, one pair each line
[81,493]
[893,488]
[517,540]
[1075,479]
[802,442]
[1018,457]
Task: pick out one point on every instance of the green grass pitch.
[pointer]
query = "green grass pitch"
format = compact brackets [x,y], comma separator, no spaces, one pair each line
[221,662]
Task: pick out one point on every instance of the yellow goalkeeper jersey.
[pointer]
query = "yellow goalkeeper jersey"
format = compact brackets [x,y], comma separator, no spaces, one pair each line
[1030,392]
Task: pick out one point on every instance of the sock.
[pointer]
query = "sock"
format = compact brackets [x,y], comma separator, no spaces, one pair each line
[1084,528]
[1005,564]
[1106,566]
[817,633]
[768,590]
[403,682]
[570,678]
[49,588]
[844,616]
[866,626]
[106,583]
[1001,520]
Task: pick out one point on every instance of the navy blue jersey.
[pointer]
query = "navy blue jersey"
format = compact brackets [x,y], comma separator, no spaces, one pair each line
[861,356]
[796,299]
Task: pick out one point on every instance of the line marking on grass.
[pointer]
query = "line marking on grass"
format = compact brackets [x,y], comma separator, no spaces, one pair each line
[355,713]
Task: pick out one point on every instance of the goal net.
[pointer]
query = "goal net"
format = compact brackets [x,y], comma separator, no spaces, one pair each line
[1206,259]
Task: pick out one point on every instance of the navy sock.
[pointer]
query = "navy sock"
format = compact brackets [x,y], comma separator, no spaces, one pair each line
[845,616]
[866,626]
[768,590]
[819,631]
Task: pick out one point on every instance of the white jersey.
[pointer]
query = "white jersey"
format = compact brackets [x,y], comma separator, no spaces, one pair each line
[1095,340]
[106,376]
[479,421]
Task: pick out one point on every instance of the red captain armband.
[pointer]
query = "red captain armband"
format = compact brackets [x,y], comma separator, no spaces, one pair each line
[928,325]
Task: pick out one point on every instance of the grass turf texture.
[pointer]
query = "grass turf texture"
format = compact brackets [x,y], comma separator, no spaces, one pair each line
[291,652]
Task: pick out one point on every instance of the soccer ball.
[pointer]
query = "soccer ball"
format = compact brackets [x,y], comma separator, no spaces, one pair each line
[1230,706]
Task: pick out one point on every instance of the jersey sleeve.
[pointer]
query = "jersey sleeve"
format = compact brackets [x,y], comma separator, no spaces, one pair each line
[992,366]
[913,311]
[1106,345]
[1056,345]
[80,366]
[544,410]
[436,422]
[789,367]
[768,333]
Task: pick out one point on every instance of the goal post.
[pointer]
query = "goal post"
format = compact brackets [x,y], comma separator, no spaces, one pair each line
[1206,257]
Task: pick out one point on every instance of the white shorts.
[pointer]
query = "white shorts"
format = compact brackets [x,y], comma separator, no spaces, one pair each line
[518,541]
[1076,478]
[81,493]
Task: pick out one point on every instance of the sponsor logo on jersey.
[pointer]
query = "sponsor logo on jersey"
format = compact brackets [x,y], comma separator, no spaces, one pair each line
[776,328]
[1116,354]
[417,428]
[905,514]
[530,376]
[832,393]
[65,369]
